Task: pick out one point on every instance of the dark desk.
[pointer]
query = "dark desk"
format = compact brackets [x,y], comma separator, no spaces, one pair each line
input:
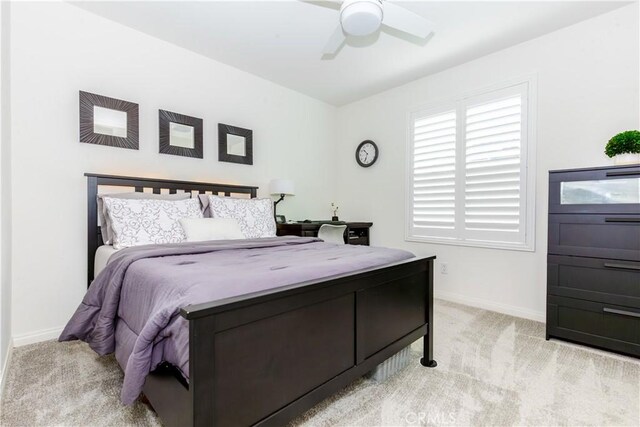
[357,232]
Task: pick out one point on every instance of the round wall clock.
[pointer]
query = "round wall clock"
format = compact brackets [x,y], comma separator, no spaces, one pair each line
[367,153]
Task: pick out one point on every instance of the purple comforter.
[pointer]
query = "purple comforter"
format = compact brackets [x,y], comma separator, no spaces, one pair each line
[133,306]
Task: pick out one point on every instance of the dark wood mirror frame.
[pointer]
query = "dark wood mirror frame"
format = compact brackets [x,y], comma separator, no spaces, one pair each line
[167,117]
[223,153]
[87,134]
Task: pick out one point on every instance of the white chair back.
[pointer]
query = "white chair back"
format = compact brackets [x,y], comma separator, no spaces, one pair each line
[332,233]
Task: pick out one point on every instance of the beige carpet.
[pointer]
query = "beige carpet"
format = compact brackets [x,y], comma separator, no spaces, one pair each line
[493,370]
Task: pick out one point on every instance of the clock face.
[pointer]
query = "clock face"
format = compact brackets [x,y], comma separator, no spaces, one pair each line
[366,153]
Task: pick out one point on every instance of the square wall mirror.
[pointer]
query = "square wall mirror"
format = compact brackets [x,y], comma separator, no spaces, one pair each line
[235,145]
[108,121]
[180,135]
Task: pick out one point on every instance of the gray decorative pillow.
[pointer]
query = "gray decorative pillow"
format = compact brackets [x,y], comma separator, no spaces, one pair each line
[144,222]
[204,203]
[103,219]
[254,216]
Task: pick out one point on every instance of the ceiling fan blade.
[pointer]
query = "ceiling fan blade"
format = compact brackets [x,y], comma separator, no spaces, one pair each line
[331,4]
[335,42]
[406,21]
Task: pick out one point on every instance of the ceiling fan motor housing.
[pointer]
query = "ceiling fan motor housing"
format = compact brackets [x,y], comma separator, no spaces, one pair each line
[361,17]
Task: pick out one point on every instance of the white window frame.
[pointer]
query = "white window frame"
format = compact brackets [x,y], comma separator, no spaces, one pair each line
[528,160]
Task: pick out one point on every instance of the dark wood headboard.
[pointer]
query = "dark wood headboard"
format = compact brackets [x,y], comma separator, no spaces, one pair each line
[94,181]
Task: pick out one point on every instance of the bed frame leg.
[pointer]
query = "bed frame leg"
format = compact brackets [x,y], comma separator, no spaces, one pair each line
[427,340]
[427,345]
[427,359]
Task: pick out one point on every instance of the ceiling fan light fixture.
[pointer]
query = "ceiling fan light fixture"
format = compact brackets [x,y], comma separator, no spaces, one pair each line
[361,17]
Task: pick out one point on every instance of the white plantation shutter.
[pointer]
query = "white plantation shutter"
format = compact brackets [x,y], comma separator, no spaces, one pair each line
[493,168]
[468,172]
[434,175]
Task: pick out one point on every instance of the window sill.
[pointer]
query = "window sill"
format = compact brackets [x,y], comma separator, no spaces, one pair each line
[472,243]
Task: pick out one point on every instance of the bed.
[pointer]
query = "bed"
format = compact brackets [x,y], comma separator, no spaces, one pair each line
[264,356]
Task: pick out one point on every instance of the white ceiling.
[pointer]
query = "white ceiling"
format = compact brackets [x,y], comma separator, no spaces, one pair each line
[282,40]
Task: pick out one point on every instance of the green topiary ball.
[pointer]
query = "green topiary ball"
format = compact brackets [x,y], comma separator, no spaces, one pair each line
[624,142]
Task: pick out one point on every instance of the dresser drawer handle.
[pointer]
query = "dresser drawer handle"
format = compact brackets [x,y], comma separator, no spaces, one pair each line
[624,173]
[622,266]
[621,312]
[622,220]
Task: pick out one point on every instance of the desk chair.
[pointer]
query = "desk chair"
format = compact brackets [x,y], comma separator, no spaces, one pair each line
[332,233]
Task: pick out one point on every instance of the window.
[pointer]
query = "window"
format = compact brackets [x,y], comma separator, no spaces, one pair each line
[470,170]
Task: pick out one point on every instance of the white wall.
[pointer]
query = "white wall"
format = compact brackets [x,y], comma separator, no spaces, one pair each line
[58,49]
[587,92]
[5,191]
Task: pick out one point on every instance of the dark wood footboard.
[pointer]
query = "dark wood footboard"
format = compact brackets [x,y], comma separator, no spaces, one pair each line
[263,359]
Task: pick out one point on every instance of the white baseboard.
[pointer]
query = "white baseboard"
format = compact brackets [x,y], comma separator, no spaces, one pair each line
[3,371]
[37,336]
[538,316]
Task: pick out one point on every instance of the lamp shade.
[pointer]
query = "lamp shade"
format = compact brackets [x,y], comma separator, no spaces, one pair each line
[282,186]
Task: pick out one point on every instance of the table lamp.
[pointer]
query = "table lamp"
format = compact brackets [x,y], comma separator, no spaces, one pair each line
[281,187]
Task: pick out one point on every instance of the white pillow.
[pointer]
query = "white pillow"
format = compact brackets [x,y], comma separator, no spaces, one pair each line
[200,229]
[146,221]
[254,216]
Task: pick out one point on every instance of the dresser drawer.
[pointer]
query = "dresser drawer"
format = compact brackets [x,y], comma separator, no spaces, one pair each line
[603,325]
[597,236]
[594,279]
[603,190]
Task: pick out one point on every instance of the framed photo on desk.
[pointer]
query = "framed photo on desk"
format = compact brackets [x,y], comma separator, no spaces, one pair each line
[280,219]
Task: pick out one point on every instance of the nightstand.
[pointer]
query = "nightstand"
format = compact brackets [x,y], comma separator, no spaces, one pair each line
[357,232]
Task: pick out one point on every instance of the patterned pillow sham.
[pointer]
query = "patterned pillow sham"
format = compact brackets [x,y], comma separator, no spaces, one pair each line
[145,221]
[103,218]
[254,216]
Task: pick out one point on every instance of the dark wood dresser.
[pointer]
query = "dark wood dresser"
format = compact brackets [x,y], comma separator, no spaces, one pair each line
[357,233]
[593,264]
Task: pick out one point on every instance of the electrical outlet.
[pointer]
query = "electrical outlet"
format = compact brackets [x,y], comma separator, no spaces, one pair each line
[444,268]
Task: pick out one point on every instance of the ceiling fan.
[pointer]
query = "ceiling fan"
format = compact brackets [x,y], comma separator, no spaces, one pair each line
[363,17]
